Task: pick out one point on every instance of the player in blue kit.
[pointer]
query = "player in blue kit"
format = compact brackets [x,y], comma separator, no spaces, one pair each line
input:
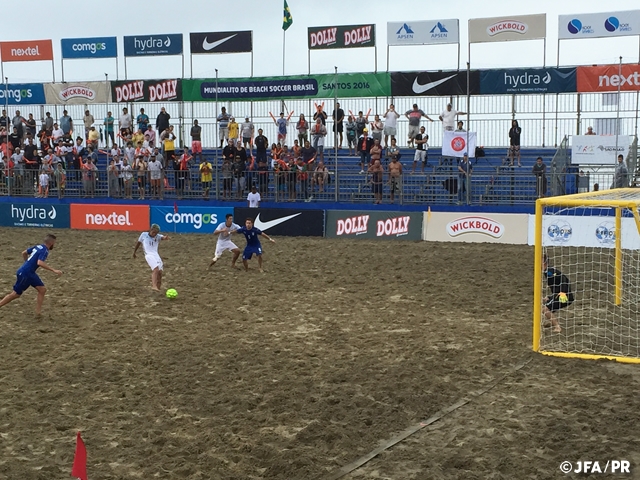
[34,257]
[254,246]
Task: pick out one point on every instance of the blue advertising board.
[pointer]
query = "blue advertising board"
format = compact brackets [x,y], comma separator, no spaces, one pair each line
[143,45]
[22,94]
[34,215]
[94,47]
[189,219]
[280,88]
[528,80]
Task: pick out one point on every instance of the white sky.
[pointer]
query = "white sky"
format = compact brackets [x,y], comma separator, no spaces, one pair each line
[264,17]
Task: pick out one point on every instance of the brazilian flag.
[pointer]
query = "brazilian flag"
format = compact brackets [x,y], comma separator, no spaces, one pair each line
[287,20]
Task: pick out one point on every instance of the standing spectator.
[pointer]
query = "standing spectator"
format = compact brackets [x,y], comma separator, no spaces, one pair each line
[375,152]
[223,126]
[182,173]
[229,151]
[448,117]
[247,132]
[234,130]
[307,153]
[393,152]
[140,168]
[422,150]
[18,169]
[47,123]
[113,178]
[18,122]
[61,179]
[376,171]
[206,176]
[155,173]
[302,177]
[108,129]
[318,133]
[338,126]
[88,177]
[93,138]
[31,164]
[126,174]
[464,178]
[31,126]
[142,120]
[4,121]
[376,128]
[302,126]
[320,114]
[621,176]
[125,121]
[43,184]
[227,178]
[87,120]
[253,199]
[56,133]
[150,136]
[395,177]
[239,168]
[514,142]
[261,146]
[168,144]
[540,172]
[351,135]
[282,124]
[365,142]
[415,115]
[66,123]
[590,131]
[162,121]
[390,124]
[361,123]
[196,140]
[263,176]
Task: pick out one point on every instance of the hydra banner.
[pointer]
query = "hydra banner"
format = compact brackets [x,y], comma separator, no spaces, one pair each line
[528,80]
[77,93]
[147,90]
[343,36]
[267,88]
[410,84]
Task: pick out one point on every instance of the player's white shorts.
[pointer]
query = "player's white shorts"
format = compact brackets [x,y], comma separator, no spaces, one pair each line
[222,247]
[154,261]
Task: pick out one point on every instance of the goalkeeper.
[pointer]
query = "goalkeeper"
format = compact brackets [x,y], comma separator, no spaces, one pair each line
[561,294]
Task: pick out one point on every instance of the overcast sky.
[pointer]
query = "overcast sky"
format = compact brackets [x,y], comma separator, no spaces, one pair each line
[264,17]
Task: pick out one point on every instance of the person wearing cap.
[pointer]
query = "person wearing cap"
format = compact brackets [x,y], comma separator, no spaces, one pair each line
[247,132]
[150,241]
[415,115]
[196,140]
[365,142]
[448,117]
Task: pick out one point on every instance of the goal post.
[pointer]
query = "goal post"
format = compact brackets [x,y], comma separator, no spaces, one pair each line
[591,244]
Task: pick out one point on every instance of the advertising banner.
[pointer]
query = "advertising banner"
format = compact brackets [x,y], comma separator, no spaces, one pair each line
[373,224]
[26,51]
[314,86]
[77,93]
[457,144]
[22,94]
[594,25]
[86,216]
[598,149]
[221,42]
[423,32]
[503,29]
[161,44]
[528,80]
[286,222]
[189,219]
[95,47]
[410,84]
[146,91]
[342,36]
[34,215]
[608,78]
[476,228]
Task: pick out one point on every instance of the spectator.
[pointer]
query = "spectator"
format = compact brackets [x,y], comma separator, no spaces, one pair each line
[320,114]
[29,153]
[351,135]
[88,121]
[31,125]
[196,140]
[338,126]
[155,173]
[464,177]
[150,136]
[361,123]
[18,169]
[66,123]
[276,153]
[318,133]
[393,151]
[375,152]
[140,168]
[365,142]
[302,178]
[395,176]
[320,176]
[263,176]
[540,172]
[88,177]
[422,150]
[43,185]
[113,177]
[93,137]
[126,174]
[125,121]
[206,176]
[47,123]
[296,149]
[302,126]
[460,127]
[162,121]
[590,131]
[308,153]
[14,139]
[142,120]
[514,142]
[261,146]
[414,116]
[234,130]
[168,143]
[108,129]
[18,122]
[448,117]
[596,187]
[247,132]
[390,124]
[281,124]
[223,125]
[227,178]
[229,151]
[253,199]
[292,175]
[239,170]
[376,171]
[56,133]
[61,179]
[376,128]
[621,176]
[4,120]
[182,173]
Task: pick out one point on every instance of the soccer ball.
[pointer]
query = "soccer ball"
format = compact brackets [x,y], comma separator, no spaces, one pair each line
[562,297]
[172,293]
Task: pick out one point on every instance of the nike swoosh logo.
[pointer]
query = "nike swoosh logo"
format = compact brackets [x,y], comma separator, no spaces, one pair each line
[272,223]
[417,88]
[210,46]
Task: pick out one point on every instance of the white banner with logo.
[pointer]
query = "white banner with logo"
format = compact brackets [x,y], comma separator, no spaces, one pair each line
[77,93]
[595,25]
[475,228]
[598,149]
[456,144]
[423,32]
[502,29]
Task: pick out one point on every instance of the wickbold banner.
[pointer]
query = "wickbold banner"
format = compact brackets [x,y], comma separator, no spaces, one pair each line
[598,149]
[476,228]
[608,78]
[502,29]
[410,84]
[22,94]
[529,80]
[423,32]
[147,91]
[456,144]
[594,25]
[286,222]
[221,42]
[144,45]
[26,51]
[374,224]
[77,93]
[34,215]
[343,36]
[96,47]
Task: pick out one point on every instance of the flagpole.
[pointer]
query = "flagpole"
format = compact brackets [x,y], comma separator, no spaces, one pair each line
[284,39]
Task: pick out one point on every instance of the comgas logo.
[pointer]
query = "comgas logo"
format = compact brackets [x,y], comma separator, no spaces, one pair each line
[482,225]
[195,219]
[505,26]
[16,94]
[89,47]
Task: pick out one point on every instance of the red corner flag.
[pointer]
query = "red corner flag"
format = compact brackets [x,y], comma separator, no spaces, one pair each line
[79,469]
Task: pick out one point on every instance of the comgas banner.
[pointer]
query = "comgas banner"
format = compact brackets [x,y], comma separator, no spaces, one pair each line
[423,32]
[189,219]
[342,36]
[608,78]
[146,91]
[86,216]
[22,94]
[598,149]
[502,29]
[529,80]
[95,47]
[594,25]
[475,227]
[26,51]
[373,224]
[77,93]
[34,215]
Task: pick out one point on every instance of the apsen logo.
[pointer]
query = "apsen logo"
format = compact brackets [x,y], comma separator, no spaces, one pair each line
[197,220]
[397,226]
[507,26]
[485,226]
[77,91]
[16,94]
[405,32]
[559,231]
[606,233]
[354,225]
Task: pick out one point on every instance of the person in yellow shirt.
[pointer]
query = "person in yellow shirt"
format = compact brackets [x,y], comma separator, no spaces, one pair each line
[206,177]
[93,137]
[233,130]
[138,137]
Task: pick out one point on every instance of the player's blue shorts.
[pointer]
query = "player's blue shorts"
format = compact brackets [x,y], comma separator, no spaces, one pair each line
[249,251]
[25,280]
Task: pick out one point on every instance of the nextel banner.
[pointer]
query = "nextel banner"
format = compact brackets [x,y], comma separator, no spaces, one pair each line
[374,224]
[283,221]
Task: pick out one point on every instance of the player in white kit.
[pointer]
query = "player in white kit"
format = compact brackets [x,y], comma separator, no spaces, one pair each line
[150,241]
[224,240]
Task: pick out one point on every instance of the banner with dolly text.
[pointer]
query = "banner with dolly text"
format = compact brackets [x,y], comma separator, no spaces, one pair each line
[287,222]
[189,219]
[349,85]
[147,91]
[87,216]
[34,215]
[342,36]
[374,224]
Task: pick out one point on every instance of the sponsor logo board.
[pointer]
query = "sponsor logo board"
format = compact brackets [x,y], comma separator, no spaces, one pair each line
[26,51]
[146,91]
[374,224]
[34,215]
[283,221]
[595,25]
[22,94]
[189,219]
[221,42]
[96,47]
[343,36]
[423,32]
[530,80]
[474,228]
[109,217]
[608,78]
[501,29]
[77,93]
[410,84]
[145,45]
[598,149]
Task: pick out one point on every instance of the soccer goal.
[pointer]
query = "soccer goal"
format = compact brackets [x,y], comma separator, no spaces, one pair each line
[588,244]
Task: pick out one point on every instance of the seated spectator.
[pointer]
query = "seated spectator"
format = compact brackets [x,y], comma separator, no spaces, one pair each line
[320,176]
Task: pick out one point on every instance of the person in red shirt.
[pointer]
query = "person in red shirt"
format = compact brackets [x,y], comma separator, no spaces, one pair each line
[182,174]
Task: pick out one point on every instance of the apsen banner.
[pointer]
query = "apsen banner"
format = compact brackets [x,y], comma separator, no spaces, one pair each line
[189,219]
[608,78]
[595,25]
[38,215]
[26,50]
[503,29]
[89,216]
[221,42]
[77,93]
[146,91]
[528,80]
[286,222]
[264,88]
[342,36]
[374,224]
[456,144]
[598,149]
[95,47]
[423,32]
[161,44]
[22,94]
[442,84]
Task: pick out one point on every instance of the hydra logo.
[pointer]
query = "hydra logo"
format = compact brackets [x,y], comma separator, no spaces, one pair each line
[397,226]
[559,231]
[32,213]
[574,26]
[611,24]
[353,225]
[167,42]
[484,226]
[526,79]
[53,213]
[507,26]
[77,91]
[150,43]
